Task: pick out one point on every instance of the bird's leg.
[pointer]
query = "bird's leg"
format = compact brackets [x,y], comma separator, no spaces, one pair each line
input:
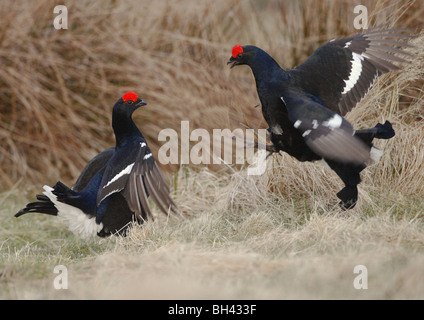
[350,176]
[348,196]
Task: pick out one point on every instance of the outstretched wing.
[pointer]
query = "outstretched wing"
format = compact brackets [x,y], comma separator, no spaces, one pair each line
[92,167]
[134,171]
[146,179]
[342,71]
[325,132]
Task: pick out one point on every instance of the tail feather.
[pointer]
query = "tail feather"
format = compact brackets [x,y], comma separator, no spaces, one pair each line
[64,194]
[380,131]
[385,131]
[65,203]
[42,197]
[70,210]
[44,205]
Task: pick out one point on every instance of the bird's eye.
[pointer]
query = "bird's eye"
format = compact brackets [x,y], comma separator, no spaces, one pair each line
[130,102]
[239,55]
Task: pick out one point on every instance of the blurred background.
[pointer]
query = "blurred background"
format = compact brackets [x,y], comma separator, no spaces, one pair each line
[58,87]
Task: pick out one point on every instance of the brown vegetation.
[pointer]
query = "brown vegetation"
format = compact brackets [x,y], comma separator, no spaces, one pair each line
[57,87]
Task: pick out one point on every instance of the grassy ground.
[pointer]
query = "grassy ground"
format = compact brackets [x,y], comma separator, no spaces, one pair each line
[272,248]
[275,236]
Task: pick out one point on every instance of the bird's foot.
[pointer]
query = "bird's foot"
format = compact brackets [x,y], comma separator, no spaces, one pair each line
[349,197]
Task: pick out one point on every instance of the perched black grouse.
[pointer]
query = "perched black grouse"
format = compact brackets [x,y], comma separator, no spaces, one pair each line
[113,188]
[304,106]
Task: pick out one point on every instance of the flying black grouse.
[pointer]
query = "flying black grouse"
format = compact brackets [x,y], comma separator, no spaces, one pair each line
[113,188]
[304,106]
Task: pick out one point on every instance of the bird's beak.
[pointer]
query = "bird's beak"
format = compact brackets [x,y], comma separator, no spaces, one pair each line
[140,103]
[232,61]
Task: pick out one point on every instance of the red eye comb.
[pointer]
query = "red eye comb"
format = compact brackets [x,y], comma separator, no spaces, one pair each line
[130,95]
[237,50]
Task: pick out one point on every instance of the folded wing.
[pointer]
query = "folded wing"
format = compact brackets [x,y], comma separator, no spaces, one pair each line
[325,132]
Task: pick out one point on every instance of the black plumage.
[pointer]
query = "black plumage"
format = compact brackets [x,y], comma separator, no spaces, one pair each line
[113,188]
[304,107]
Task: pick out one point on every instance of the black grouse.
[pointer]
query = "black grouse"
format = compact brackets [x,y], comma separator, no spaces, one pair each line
[113,188]
[304,107]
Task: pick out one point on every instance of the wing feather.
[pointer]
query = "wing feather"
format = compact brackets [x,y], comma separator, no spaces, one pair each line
[331,72]
[142,196]
[134,172]
[325,132]
[148,181]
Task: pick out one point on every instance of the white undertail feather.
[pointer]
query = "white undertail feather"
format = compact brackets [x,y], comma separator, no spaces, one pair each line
[375,154]
[76,220]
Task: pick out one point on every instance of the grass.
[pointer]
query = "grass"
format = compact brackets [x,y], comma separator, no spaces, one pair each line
[276,236]
[278,250]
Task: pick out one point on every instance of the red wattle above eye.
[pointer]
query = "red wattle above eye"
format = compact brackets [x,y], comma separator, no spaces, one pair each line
[237,50]
[130,95]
